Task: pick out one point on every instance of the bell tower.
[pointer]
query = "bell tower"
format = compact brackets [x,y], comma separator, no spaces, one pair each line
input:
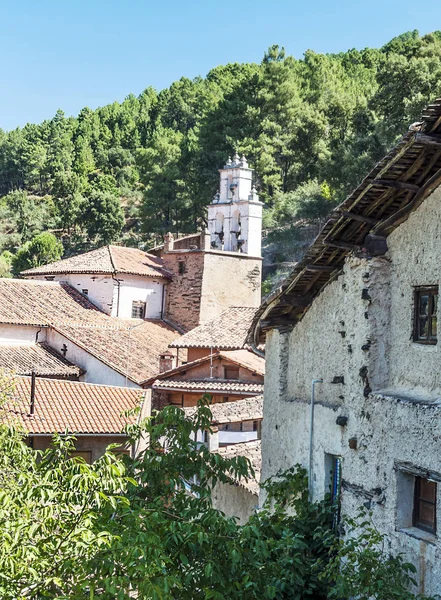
[235,215]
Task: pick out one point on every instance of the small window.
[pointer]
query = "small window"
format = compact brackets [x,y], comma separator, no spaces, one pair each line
[424,505]
[231,372]
[225,399]
[138,310]
[85,291]
[425,318]
[182,267]
[49,277]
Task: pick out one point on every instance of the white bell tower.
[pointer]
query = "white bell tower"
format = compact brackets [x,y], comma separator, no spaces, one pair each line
[235,215]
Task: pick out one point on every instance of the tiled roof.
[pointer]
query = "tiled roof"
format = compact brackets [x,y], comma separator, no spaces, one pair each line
[40,358]
[244,358]
[209,386]
[252,451]
[108,259]
[226,332]
[247,359]
[41,303]
[62,405]
[132,347]
[248,409]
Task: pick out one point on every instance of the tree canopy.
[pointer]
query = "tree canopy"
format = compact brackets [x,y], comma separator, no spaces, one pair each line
[145,527]
[322,120]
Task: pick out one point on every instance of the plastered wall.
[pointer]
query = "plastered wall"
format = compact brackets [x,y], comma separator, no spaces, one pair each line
[360,328]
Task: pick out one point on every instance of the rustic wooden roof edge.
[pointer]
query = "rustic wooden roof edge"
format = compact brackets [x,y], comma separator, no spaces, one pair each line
[394,188]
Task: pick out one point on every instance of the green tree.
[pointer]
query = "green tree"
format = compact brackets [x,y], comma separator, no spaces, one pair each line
[43,248]
[102,217]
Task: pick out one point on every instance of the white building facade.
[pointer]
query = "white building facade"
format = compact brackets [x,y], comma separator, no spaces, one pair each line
[235,215]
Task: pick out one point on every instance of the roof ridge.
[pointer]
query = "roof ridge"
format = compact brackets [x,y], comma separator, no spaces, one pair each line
[112,262]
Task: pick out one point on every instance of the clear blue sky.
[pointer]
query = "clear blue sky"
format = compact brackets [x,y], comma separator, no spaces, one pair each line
[74,53]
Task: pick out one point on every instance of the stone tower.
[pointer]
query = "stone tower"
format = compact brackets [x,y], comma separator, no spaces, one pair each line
[235,215]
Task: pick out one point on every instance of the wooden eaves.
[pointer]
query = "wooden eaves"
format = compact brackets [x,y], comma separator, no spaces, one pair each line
[394,188]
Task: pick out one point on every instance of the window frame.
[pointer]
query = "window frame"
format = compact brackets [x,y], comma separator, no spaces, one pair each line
[419,499]
[431,291]
[136,304]
[231,368]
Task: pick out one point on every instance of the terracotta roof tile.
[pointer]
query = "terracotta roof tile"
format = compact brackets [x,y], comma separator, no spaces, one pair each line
[108,259]
[209,386]
[72,406]
[41,303]
[248,409]
[244,358]
[40,358]
[130,346]
[252,451]
[226,332]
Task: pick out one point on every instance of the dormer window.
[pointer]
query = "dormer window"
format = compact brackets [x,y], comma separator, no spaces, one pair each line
[138,310]
[425,315]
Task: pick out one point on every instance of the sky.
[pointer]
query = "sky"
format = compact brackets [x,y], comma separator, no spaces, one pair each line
[70,54]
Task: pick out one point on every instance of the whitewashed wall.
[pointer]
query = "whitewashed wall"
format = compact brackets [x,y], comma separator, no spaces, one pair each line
[96,370]
[18,335]
[138,289]
[103,292]
[360,328]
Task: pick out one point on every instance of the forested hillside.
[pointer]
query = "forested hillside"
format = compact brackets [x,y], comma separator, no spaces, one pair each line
[129,172]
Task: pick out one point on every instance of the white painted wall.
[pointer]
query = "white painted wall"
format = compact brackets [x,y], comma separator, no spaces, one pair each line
[138,289]
[391,392]
[18,335]
[103,292]
[96,371]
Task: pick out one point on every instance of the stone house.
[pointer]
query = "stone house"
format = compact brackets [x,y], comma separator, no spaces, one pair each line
[353,387]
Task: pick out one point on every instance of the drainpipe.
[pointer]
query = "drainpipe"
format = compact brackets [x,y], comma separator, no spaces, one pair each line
[36,335]
[311,435]
[163,300]
[118,283]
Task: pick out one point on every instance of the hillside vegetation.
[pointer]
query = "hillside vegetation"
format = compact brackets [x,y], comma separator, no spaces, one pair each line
[131,171]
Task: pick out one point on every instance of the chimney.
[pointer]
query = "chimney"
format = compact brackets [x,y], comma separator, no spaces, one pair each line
[205,240]
[166,362]
[168,242]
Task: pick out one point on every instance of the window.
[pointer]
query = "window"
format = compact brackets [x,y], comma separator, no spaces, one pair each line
[225,399]
[425,315]
[424,505]
[333,483]
[231,372]
[138,310]
[49,277]
[85,291]
[181,267]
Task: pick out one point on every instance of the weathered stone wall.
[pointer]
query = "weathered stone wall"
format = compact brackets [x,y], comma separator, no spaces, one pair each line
[183,296]
[360,328]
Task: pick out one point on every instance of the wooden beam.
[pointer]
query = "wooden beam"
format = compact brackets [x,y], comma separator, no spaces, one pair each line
[340,244]
[399,185]
[361,218]
[323,268]
[430,139]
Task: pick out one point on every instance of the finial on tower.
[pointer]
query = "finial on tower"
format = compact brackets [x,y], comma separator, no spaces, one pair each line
[228,163]
[244,162]
[236,159]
